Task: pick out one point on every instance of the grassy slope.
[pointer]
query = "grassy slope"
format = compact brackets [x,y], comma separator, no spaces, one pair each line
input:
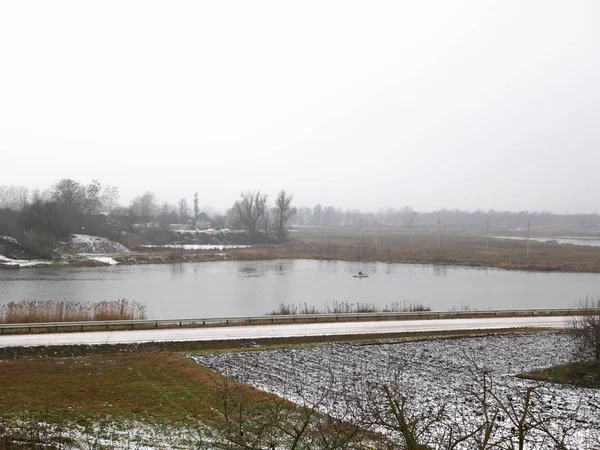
[154,386]
[584,375]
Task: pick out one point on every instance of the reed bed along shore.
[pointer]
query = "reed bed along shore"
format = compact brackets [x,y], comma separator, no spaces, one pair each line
[347,308]
[39,311]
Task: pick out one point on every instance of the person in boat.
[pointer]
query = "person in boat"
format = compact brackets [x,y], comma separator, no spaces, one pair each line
[360,273]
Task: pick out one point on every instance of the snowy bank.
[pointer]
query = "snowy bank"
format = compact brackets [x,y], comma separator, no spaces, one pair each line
[22,262]
[84,244]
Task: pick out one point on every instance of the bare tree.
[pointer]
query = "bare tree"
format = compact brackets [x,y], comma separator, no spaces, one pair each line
[144,205]
[250,208]
[284,211]
[69,194]
[14,197]
[93,200]
[110,198]
[585,330]
[316,215]
[183,210]
[196,209]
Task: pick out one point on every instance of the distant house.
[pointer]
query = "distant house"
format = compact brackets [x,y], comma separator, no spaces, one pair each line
[204,222]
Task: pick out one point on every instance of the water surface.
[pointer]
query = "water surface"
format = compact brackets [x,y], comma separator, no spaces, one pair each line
[241,288]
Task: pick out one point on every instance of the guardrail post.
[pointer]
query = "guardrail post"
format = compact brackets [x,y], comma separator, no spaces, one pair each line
[132,326]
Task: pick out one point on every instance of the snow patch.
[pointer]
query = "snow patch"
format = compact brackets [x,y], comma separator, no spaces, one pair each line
[197,246]
[103,259]
[83,244]
[22,262]
[210,231]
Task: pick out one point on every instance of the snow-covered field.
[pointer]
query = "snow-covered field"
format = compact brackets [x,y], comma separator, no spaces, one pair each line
[431,373]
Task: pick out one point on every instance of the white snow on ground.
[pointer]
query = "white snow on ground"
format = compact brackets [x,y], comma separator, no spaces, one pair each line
[273,331]
[113,434]
[210,231]
[197,246]
[9,239]
[23,262]
[82,243]
[103,259]
[431,373]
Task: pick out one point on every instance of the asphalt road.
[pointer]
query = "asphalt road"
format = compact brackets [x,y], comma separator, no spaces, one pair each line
[275,331]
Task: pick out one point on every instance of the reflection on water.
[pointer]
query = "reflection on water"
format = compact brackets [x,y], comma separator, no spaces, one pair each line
[440,271]
[256,287]
[253,271]
[177,269]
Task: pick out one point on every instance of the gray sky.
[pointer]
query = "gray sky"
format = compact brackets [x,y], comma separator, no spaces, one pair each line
[455,104]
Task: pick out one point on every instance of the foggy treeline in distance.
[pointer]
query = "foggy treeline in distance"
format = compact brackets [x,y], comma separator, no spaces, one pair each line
[67,207]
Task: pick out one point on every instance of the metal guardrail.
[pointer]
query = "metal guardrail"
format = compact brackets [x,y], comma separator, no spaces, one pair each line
[272,319]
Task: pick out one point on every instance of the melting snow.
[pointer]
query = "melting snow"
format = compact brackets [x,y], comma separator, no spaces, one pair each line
[432,372]
[197,246]
[103,259]
[210,231]
[23,262]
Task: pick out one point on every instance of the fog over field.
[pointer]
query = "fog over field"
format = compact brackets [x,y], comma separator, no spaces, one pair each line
[468,104]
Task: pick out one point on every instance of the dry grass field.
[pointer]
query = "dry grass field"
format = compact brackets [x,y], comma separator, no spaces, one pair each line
[454,249]
[402,246]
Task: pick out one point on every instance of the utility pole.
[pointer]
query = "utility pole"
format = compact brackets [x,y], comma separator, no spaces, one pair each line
[528,228]
[410,225]
[439,224]
[487,234]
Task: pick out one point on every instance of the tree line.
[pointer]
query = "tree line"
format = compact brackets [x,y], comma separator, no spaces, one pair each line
[58,211]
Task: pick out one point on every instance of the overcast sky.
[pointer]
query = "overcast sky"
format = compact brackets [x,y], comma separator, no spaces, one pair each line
[454,104]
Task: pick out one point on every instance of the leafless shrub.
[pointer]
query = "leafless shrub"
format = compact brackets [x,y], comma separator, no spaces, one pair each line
[585,331]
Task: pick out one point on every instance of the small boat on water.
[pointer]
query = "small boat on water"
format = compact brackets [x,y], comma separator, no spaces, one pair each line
[360,275]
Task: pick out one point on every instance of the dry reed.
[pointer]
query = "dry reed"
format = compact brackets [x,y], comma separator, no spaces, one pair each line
[38,311]
[348,308]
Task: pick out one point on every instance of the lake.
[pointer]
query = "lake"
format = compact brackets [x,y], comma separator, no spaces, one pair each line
[242,288]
